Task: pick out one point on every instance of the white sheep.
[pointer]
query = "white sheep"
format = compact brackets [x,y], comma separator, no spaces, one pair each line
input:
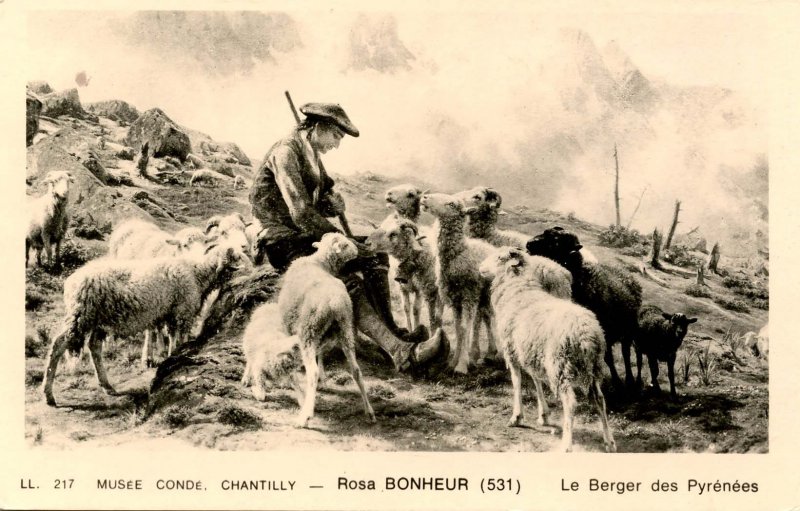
[549,338]
[48,218]
[315,306]
[269,352]
[206,177]
[416,270]
[231,230]
[757,343]
[239,183]
[404,199]
[123,297]
[460,283]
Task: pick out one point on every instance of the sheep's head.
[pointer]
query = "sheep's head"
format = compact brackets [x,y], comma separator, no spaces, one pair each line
[481,199]
[228,230]
[557,244]
[58,182]
[679,324]
[395,236]
[504,260]
[190,241]
[443,206]
[229,258]
[404,199]
[336,249]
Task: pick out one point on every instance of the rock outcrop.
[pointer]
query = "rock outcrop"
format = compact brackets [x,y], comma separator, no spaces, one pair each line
[39,87]
[115,109]
[164,136]
[33,109]
[66,102]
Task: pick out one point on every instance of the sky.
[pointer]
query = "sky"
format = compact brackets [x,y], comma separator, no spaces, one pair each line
[477,95]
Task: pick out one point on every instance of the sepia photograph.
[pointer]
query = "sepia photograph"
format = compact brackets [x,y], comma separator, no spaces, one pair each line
[396,230]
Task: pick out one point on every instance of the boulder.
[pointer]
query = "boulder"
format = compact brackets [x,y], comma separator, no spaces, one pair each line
[114,109]
[33,109]
[40,87]
[236,152]
[66,102]
[164,136]
[126,153]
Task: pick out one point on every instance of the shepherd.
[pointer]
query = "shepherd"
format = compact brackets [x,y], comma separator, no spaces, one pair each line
[293,197]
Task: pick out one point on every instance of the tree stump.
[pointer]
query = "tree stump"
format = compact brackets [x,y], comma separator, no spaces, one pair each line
[713,259]
[657,239]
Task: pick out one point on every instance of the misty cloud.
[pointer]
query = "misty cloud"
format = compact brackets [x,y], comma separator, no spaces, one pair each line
[219,43]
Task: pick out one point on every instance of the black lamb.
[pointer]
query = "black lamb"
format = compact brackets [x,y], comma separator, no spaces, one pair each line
[660,336]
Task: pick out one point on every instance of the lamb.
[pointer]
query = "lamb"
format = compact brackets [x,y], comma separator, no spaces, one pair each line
[660,336]
[314,305]
[269,352]
[460,284]
[206,177]
[239,183]
[610,293]
[549,338]
[404,199]
[48,218]
[416,273]
[123,297]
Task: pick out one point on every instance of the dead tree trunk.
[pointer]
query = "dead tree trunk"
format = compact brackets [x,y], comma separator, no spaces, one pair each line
[616,183]
[701,275]
[144,158]
[657,239]
[630,220]
[674,225]
[713,259]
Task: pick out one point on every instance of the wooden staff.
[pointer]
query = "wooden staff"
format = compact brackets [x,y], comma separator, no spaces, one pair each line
[323,175]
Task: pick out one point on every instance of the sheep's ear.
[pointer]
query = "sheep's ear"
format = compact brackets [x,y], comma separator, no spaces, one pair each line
[241,217]
[175,243]
[426,191]
[557,228]
[470,210]
[315,245]
[501,212]
[210,248]
[691,320]
[666,315]
[493,198]
[214,222]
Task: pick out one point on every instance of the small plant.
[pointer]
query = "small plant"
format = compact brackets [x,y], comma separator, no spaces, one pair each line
[698,291]
[38,436]
[238,417]
[706,364]
[685,363]
[735,344]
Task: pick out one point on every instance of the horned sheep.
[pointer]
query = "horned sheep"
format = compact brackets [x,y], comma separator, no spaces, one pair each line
[314,305]
[550,338]
[206,177]
[609,292]
[48,218]
[124,297]
[660,336]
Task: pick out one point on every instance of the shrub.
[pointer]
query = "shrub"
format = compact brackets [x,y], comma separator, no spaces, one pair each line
[177,416]
[238,417]
[732,304]
[34,299]
[621,237]
[737,282]
[698,291]
[679,255]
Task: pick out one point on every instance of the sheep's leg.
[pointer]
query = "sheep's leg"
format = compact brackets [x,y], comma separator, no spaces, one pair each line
[247,377]
[568,404]
[671,375]
[254,372]
[467,328]
[416,311]
[626,358]
[475,335]
[434,316]
[58,253]
[48,250]
[459,326]
[609,358]
[320,370]
[56,351]
[596,395]
[355,370]
[516,384]
[147,351]
[638,367]
[491,342]
[653,362]
[405,298]
[96,349]
[312,375]
[541,403]
[27,251]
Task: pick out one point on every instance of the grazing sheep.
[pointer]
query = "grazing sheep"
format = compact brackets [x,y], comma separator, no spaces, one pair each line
[206,177]
[417,269]
[460,283]
[239,183]
[660,336]
[758,343]
[268,351]
[549,338]
[48,218]
[609,292]
[123,297]
[315,306]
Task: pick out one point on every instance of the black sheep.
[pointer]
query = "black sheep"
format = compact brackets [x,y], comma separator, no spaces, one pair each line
[660,336]
[611,293]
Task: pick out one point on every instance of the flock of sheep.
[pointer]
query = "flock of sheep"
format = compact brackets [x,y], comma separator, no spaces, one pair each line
[549,308]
